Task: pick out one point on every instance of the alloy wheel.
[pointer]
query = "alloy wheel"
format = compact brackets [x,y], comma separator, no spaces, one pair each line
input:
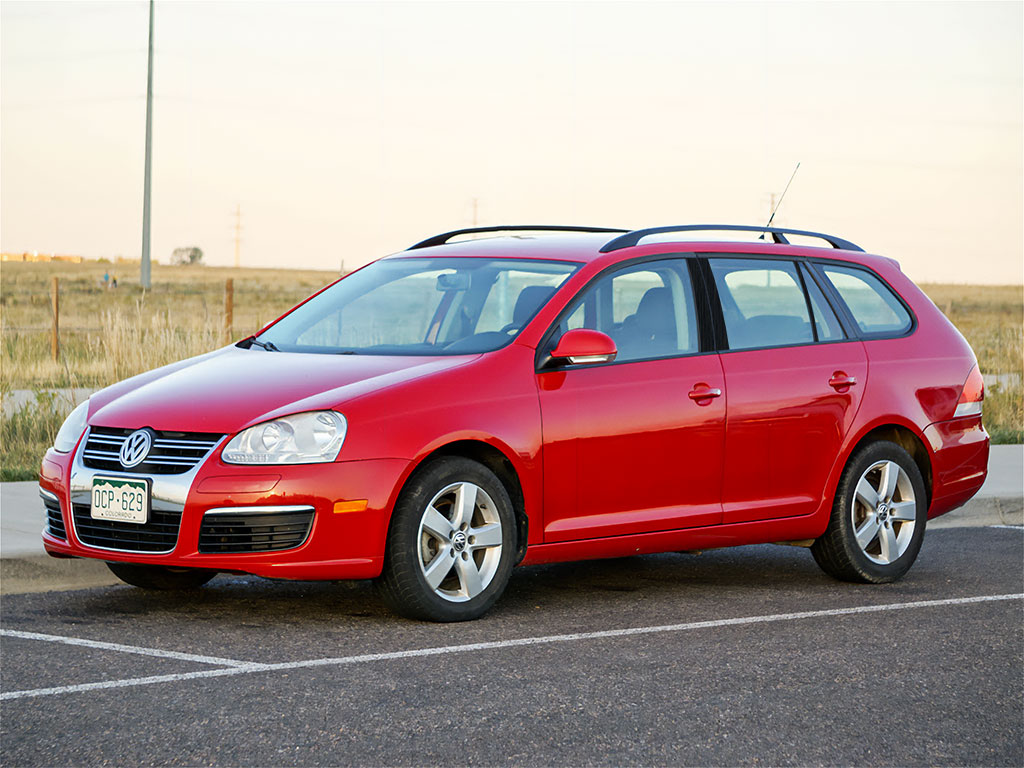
[460,542]
[884,512]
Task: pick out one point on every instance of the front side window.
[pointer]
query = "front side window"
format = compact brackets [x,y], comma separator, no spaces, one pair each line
[648,310]
[762,302]
[414,306]
[873,305]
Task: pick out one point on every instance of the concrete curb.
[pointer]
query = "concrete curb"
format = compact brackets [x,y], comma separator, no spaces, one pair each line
[42,573]
[979,513]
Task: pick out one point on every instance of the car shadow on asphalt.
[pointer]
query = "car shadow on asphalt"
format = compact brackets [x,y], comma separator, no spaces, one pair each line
[561,587]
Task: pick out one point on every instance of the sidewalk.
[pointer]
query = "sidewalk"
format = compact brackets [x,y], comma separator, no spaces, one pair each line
[999,502]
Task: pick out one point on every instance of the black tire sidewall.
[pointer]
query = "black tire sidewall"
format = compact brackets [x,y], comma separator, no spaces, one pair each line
[406,587]
[158,577]
[864,458]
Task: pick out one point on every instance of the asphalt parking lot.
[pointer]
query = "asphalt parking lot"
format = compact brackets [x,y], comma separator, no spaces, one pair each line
[740,656]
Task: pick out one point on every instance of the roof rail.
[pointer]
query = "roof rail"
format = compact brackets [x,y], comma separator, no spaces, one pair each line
[778,235]
[446,236]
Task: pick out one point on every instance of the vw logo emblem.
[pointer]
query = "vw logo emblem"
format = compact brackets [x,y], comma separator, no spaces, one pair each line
[135,448]
[459,541]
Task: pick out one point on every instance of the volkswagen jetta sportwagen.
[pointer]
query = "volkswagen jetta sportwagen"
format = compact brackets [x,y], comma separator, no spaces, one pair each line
[465,406]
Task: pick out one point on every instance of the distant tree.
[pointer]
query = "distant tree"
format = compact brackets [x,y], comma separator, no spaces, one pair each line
[187,256]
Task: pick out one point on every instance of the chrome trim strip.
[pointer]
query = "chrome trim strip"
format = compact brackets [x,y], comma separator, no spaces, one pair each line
[167,441]
[259,510]
[180,443]
[46,495]
[176,461]
[167,492]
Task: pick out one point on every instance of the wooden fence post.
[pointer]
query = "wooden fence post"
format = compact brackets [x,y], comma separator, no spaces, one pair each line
[229,307]
[55,304]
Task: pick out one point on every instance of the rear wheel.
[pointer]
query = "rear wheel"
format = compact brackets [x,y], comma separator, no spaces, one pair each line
[878,517]
[451,543]
[159,577]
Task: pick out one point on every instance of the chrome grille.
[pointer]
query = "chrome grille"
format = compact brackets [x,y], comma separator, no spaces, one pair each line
[172,454]
[54,519]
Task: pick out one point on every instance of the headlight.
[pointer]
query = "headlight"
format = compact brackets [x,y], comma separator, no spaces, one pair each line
[72,429]
[305,438]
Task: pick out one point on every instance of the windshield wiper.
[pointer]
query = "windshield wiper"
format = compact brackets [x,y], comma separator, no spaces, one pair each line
[267,345]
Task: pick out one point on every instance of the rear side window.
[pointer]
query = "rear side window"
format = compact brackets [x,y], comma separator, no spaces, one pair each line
[872,303]
[826,324]
[763,303]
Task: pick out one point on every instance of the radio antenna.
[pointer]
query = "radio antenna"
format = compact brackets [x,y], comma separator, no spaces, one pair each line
[776,208]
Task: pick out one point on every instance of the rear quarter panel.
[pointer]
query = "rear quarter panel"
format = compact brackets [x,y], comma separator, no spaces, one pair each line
[913,381]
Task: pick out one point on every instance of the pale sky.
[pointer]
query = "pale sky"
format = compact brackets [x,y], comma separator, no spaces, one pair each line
[347,131]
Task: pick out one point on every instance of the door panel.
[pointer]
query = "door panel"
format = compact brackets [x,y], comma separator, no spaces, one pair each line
[792,398]
[626,447]
[626,450]
[786,426]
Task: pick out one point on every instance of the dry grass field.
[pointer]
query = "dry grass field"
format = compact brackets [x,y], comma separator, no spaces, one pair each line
[108,334]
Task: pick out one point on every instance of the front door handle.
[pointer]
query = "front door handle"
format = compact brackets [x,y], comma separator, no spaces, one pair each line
[702,392]
[841,382]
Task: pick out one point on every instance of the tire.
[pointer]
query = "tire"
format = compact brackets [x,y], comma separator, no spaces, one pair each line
[878,517]
[159,577]
[451,543]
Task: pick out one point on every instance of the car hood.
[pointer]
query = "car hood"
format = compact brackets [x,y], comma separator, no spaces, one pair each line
[233,388]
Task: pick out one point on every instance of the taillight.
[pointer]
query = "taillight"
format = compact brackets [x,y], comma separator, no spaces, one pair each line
[969,403]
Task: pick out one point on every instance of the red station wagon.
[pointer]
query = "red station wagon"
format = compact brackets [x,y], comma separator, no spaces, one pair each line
[451,411]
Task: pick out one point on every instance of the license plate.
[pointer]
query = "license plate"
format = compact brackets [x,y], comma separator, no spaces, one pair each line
[116,499]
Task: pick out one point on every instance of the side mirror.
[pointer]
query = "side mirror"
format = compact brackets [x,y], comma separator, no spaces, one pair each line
[583,346]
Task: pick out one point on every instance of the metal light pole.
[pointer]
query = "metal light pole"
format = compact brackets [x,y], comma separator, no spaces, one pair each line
[144,276]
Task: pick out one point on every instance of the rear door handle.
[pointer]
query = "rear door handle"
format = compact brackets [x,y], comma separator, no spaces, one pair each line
[704,392]
[840,381]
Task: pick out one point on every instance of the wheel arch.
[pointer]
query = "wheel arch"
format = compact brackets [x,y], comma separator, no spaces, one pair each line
[500,464]
[905,437]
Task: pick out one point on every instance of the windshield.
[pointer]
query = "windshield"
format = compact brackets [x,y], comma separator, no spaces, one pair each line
[413,306]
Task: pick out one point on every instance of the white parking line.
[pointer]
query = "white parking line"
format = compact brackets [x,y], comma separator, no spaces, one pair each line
[125,648]
[246,668]
[1010,527]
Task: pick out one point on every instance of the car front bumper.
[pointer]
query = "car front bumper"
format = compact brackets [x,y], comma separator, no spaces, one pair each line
[350,504]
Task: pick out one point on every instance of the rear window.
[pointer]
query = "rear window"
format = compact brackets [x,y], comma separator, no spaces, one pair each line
[874,306]
[826,324]
[763,303]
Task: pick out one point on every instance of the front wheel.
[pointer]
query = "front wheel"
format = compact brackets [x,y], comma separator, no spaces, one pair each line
[450,544]
[878,517]
[159,577]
